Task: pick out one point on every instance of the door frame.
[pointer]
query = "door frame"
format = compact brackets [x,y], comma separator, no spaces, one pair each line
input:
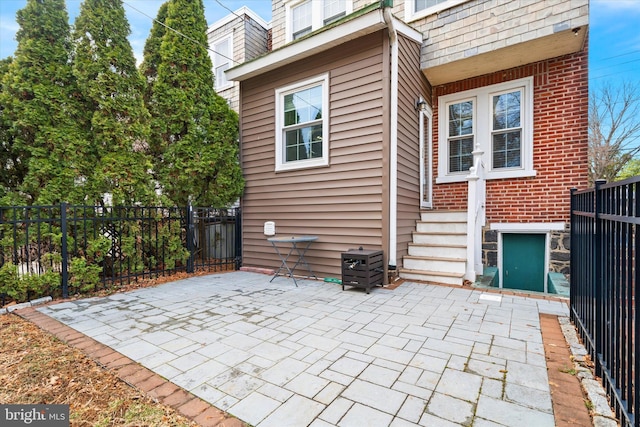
[426,148]
[527,228]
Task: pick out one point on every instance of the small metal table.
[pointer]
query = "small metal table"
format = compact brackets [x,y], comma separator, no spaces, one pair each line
[299,245]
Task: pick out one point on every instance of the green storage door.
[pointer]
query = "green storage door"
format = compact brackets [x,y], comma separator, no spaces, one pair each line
[523,261]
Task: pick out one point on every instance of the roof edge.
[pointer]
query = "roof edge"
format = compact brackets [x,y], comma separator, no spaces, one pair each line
[322,41]
[244,10]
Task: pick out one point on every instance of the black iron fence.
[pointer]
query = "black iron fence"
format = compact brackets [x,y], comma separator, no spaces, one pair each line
[65,248]
[605,279]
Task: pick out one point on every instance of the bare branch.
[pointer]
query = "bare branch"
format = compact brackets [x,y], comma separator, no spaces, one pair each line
[614,129]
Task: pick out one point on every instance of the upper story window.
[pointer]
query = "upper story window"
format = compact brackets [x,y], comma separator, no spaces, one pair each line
[333,10]
[309,15]
[302,124]
[497,118]
[222,54]
[415,9]
[301,19]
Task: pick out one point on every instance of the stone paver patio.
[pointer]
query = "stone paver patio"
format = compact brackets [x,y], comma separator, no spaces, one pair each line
[273,354]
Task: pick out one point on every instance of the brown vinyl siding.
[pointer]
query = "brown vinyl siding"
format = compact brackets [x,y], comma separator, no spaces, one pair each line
[411,84]
[341,203]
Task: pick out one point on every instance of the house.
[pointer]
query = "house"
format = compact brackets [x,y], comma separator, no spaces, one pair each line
[238,37]
[446,133]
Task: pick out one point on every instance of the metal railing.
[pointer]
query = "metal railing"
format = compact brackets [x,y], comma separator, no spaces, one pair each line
[94,246]
[605,280]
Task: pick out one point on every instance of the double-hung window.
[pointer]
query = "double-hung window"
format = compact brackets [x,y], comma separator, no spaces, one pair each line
[497,119]
[460,139]
[301,20]
[302,124]
[506,132]
[222,54]
[309,15]
[415,9]
[333,10]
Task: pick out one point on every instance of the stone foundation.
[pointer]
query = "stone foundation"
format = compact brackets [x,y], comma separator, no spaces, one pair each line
[559,250]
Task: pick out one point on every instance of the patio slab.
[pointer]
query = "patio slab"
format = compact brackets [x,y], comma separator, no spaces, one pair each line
[276,354]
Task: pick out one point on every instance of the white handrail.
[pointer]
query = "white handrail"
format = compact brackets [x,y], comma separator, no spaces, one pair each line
[476,215]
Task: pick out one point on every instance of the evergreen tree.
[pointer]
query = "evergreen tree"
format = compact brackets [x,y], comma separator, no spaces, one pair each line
[41,107]
[12,170]
[151,52]
[106,71]
[195,131]
[149,70]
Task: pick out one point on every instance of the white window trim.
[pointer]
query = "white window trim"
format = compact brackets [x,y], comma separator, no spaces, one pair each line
[317,13]
[482,130]
[410,14]
[281,165]
[229,83]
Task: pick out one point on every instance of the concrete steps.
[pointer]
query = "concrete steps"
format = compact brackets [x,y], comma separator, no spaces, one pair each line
[438,251]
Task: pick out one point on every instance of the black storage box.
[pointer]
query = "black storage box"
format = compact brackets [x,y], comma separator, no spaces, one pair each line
[362,268]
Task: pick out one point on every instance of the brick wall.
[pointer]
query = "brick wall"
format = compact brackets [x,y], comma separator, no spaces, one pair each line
[559,150]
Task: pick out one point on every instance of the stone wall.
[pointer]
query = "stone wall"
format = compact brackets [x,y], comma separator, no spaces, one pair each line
[560,252]
[559,255]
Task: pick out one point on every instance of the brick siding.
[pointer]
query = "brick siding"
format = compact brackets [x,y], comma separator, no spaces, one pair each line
[560,144]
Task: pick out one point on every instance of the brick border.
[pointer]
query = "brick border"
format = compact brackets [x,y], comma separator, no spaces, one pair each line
[567,397]
[137,376]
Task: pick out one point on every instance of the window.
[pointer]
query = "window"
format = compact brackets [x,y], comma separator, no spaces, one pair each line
[506,135]
[301,19]
[415,9]
[301,124]
[460,136]
[334,10]
[426,4]
[222,54]
[307,16]
[499,119]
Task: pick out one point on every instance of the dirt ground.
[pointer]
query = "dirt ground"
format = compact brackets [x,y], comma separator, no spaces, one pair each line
[36,368]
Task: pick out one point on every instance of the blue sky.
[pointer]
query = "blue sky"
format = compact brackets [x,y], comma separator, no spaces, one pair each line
[614,34]
[140,14]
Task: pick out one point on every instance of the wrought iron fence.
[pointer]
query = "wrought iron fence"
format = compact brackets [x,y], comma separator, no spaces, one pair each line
[81,248]
[605,279]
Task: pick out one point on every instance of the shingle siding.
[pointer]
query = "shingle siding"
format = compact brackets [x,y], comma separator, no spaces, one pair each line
[481,26]
[249,42]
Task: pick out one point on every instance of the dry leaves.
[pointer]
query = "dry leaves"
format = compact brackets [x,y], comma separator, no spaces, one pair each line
[37,368]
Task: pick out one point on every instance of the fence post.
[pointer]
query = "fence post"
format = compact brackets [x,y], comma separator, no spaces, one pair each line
[598,279]
[238,239]
[63,248]
[190,238]
[572,255]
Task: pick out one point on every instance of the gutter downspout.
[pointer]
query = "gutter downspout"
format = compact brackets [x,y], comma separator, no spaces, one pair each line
[393,138]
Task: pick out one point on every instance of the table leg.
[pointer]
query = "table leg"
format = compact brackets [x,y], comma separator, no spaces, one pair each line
[284,263]
[302,260]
